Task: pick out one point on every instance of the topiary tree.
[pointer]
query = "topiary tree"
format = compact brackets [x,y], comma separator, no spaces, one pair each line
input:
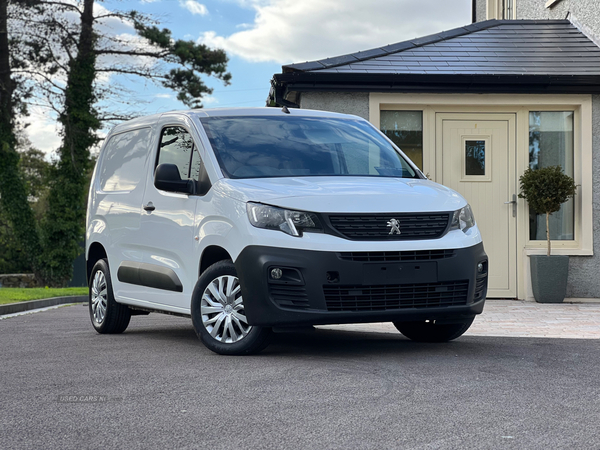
[546,190]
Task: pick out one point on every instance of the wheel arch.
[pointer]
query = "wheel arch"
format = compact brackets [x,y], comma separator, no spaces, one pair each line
[211,255]
[96,252]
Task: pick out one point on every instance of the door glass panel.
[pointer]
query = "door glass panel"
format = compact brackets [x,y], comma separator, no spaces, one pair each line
[405,129]
[551,144]
[474,157]
[177,147]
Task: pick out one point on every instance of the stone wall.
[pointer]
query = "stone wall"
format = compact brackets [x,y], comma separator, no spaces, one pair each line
[18,280]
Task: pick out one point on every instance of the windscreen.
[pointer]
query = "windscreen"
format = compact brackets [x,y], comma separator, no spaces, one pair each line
[267,146]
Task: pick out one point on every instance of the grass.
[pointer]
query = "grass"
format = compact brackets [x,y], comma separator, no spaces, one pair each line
[13,295]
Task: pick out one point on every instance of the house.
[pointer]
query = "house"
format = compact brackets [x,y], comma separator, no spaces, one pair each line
[477,105]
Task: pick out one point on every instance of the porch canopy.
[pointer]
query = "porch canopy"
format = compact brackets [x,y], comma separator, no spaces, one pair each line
[495,56]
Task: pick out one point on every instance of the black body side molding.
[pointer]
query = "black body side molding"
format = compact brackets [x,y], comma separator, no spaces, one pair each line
[149,275]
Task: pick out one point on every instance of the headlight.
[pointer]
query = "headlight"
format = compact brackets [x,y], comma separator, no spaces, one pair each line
[463,219]
[288,221]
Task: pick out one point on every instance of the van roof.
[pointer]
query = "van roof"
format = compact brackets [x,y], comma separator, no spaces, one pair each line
[217,112]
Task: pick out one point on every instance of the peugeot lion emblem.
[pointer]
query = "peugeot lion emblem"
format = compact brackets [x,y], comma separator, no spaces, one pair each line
[395,225]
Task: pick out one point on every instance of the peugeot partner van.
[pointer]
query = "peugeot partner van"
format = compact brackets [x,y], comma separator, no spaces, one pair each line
[248,220]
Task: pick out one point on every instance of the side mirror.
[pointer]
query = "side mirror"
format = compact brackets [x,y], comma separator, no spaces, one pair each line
[167,178]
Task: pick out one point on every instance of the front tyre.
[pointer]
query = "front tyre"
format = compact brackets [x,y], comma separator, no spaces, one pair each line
[108,316]
[432,332]
[218,313]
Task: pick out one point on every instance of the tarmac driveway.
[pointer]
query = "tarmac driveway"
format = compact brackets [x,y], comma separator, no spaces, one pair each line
[155,386]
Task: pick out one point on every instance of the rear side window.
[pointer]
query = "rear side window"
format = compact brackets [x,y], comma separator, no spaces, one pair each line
[123,160]
[177,147]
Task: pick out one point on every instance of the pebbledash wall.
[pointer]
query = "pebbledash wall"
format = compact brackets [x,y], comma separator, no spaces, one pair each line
[583,13]
[584,271]
[356,103]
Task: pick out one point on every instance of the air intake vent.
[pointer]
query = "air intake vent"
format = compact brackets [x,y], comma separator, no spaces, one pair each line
[418,255]
[480,287]
[391,297]
[375,226]
[286,296]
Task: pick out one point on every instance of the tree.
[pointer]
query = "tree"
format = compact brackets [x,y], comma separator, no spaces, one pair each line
[62,60]
[34,170]
[13,194]
[545,190]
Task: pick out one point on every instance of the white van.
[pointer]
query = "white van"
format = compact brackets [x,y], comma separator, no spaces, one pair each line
[247,220]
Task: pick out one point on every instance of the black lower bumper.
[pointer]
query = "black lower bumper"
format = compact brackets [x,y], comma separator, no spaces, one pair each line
[286,287]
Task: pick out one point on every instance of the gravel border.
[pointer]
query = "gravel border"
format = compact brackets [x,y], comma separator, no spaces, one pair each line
[11,308]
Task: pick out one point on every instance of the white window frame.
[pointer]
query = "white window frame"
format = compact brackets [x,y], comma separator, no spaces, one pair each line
[496,9]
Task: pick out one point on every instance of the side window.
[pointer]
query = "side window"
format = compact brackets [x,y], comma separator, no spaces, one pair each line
[177,147]
[123,160]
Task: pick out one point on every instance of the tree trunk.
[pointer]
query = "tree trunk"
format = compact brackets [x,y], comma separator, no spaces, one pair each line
[13,192]
[64,224]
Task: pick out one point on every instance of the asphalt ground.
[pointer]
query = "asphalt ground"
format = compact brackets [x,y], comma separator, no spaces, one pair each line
[64,386]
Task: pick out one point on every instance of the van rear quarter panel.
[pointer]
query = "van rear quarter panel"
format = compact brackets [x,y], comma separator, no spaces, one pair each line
[116,195]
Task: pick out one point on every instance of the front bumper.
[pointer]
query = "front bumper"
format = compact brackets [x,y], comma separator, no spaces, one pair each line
[318,288]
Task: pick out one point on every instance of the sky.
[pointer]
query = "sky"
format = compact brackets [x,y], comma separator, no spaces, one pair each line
[259,37]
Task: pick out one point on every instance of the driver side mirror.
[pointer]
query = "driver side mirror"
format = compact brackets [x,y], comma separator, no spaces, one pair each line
[167,178]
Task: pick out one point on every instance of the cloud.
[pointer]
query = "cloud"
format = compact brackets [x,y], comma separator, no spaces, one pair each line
[43,131]
[286,31]
[194,7]
[210,100]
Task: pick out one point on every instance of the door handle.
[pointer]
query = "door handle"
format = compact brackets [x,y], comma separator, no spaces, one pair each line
[513,202]
[149,207]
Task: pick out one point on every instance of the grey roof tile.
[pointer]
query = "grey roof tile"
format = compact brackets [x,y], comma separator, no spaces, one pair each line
[338,60]
[493,47]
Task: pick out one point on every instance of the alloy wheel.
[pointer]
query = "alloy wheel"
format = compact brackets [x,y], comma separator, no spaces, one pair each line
[222,310]
[99,297]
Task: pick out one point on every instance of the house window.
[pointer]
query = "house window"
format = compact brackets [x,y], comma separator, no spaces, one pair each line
[405,129]
[508,9]
[501,9]
[551,144]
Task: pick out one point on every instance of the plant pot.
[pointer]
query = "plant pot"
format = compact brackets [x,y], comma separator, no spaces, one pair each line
[549,277]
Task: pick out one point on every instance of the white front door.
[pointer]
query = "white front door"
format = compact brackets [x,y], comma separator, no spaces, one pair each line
[475,156]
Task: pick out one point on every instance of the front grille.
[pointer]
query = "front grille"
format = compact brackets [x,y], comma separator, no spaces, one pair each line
[396,296]
[286,296]
[417,255]
[375,226]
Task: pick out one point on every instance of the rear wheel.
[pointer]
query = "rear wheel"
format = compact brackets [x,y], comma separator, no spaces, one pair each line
[108,316]
[429,331]
[218,313]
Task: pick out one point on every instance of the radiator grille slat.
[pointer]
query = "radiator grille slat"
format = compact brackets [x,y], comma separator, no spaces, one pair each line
[417,255]
[375,226]
[392,297]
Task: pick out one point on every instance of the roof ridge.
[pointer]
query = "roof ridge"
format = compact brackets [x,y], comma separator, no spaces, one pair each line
[399,47]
